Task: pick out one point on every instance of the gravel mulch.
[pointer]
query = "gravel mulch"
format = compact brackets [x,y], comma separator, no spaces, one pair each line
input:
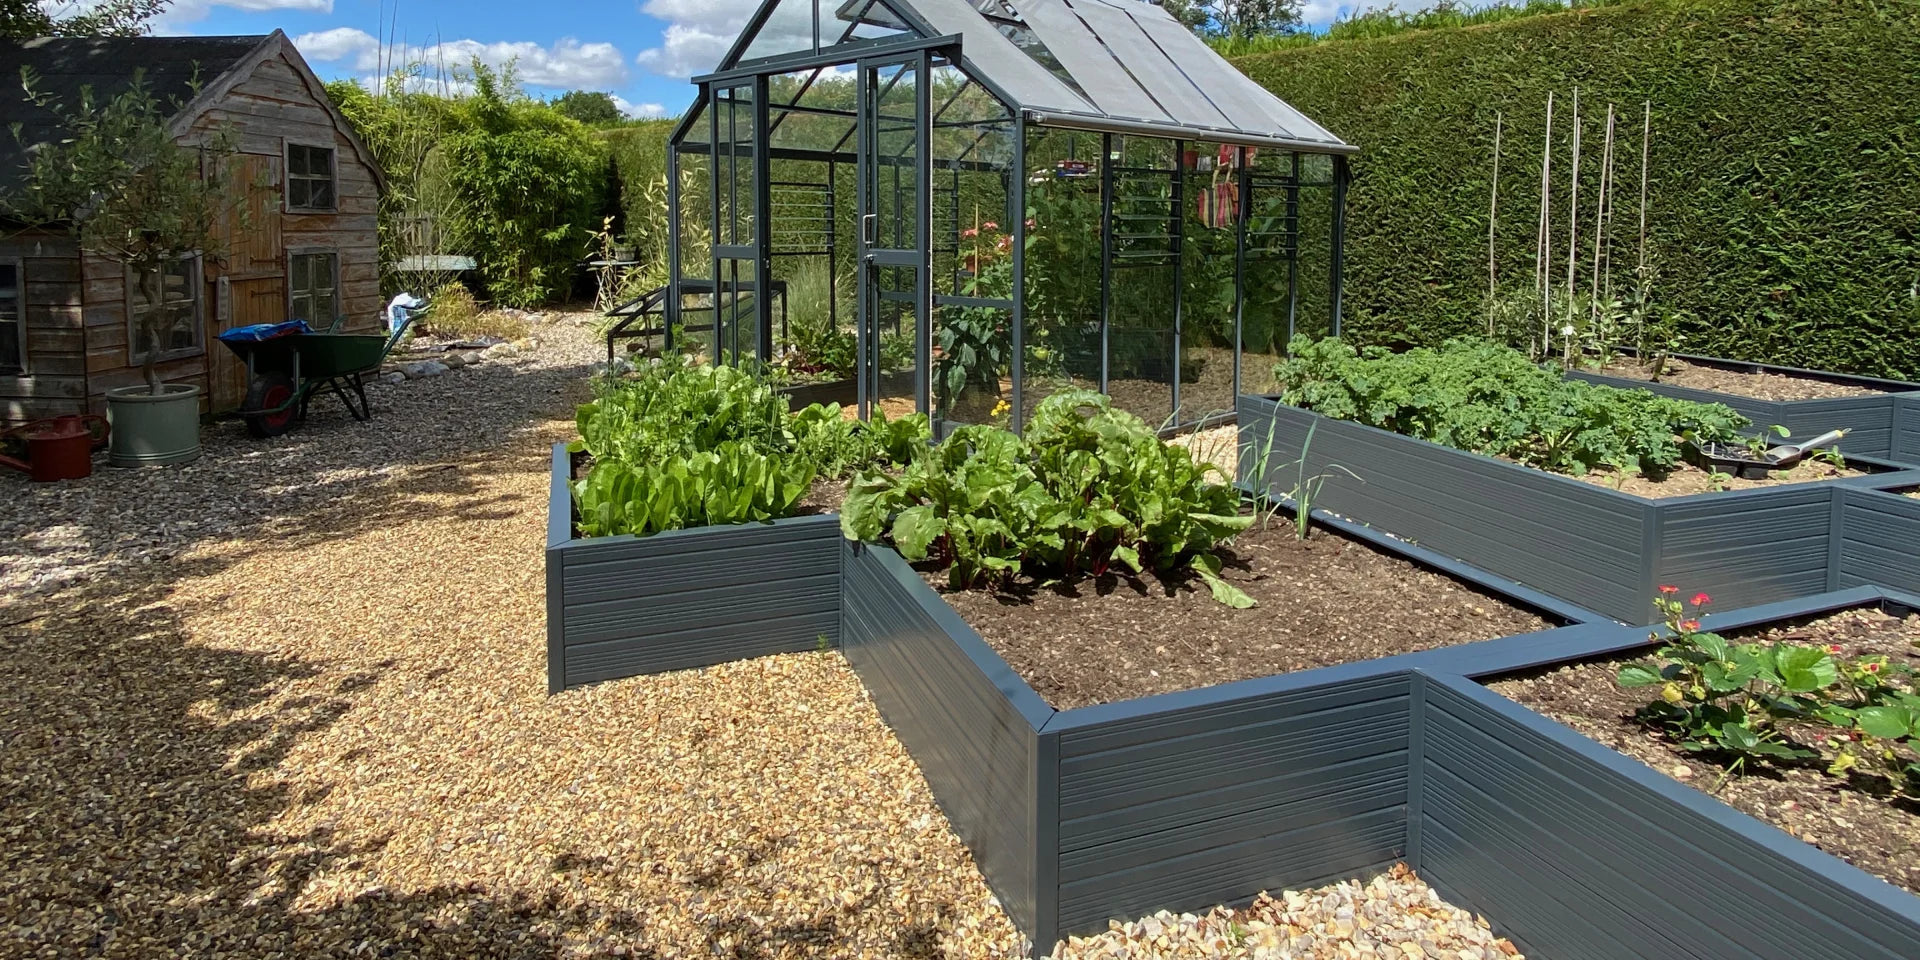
[1321,601]
[1395,916]
[63,533]
[1687,479]
[291,702]
[1760,386]
[1855,820]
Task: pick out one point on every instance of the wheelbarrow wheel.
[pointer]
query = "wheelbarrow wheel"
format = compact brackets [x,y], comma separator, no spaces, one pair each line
[267,392]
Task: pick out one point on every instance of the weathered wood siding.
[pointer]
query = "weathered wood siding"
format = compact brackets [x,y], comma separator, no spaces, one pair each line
[267,109]
[55,381]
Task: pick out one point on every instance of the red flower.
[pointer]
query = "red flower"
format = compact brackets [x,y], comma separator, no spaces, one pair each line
[1689,625]
[1833,648]
[1872,668]
[989,225]
[1701,599]
[1668,588]
[969,232]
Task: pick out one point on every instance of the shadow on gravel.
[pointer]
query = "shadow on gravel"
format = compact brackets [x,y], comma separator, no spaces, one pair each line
[424,437]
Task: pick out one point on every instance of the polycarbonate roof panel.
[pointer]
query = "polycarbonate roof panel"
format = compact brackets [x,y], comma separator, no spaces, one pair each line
[1096,71]
[1178,97]
[994,58]
[1248,105]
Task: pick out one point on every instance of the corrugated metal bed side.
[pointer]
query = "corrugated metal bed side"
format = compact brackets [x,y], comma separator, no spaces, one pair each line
[625,606]
[1878,540]
[1503,518]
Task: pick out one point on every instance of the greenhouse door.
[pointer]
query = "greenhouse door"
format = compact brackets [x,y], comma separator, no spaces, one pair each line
[894,291]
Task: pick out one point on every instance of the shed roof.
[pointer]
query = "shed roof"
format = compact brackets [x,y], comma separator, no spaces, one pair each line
[187,73]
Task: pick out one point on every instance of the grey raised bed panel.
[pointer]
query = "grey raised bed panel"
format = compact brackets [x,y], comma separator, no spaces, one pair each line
[1579,853]
[1179,801]
[968,720]
[624,606]
[1883,425]
[1591,545]
[1879,540]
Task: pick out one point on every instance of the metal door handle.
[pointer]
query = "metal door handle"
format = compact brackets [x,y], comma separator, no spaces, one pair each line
[867,224]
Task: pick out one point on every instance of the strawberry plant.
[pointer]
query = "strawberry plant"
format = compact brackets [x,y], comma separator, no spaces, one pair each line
[1490,399]
[1746,700]
[1088,487]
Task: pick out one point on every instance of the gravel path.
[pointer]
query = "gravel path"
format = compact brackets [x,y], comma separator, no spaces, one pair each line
[290,701]
[1394,916]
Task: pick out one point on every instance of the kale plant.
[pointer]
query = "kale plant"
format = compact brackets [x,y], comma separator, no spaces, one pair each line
[1490,399]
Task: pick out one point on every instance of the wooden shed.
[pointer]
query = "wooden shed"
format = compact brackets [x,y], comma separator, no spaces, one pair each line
[308,247]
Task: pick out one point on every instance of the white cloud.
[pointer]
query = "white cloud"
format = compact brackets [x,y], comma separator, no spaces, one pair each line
[640,111]
[357,49]
[566,65]
[699,32]
[178,14]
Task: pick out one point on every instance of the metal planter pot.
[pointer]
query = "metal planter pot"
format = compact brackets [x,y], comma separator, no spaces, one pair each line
[150,429]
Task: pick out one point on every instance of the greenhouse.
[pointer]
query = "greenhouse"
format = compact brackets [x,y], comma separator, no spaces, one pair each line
[958,207]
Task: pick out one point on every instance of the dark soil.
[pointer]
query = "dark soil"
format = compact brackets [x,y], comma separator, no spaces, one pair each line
[1319,602]
[825,496]
[1760,386]
[1856,820]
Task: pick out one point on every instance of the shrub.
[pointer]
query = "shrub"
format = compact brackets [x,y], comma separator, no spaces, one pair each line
[1491,399]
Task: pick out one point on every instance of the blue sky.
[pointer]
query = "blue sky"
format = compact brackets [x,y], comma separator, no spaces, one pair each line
[641,51]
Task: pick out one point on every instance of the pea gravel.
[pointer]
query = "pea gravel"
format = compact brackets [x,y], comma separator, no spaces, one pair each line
[290,701]
[1394,916]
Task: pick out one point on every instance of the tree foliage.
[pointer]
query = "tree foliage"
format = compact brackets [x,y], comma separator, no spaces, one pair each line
[24,19]
[595,108]
[496,174]
[1785,168]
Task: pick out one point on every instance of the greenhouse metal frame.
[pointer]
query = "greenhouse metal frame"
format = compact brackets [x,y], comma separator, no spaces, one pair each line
[1040,195]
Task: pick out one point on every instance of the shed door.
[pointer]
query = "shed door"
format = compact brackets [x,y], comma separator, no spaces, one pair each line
[252,287]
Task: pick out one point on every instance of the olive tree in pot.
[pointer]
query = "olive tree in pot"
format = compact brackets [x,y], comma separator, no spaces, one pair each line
[129,191]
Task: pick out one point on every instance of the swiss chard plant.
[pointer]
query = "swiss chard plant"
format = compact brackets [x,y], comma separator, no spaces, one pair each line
[1488,398]
[1088,488]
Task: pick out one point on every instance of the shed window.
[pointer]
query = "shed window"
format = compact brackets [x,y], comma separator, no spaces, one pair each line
[178,308]
[309,177]
[313,287]
[13,319]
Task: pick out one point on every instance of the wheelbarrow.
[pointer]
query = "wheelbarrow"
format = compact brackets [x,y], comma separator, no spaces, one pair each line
[288,362]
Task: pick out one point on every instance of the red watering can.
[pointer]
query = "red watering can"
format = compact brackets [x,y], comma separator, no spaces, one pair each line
[60,448]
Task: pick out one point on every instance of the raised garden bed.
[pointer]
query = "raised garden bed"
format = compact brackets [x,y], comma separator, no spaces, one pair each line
[623,606]
[1877,539]
[1858,820]
[1882,417]
[1600,548]
[1320,601]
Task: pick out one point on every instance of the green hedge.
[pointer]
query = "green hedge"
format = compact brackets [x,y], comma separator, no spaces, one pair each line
[1785,205]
